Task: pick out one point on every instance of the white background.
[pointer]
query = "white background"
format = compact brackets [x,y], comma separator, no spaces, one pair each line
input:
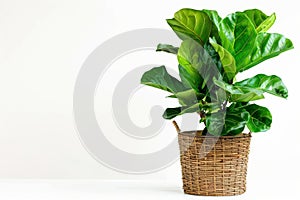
[42,47]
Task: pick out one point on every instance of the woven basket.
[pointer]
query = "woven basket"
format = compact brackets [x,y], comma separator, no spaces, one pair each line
[214,166]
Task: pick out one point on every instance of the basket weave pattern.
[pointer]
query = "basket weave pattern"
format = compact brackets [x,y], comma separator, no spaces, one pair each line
[214,166]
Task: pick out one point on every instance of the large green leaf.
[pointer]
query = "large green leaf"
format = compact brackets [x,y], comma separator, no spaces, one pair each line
[197,63]
[190,77]
[188,66]
[215,123]
[167,48]
[238,36]
[228,61]
[240,93]
[214,56]
[267,45]
[260,118]
[261,21]
[216,19]
[158,77]
[229,122]
[191,24]
[270,84]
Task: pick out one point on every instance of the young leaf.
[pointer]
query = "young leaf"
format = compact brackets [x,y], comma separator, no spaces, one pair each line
[228,61]
[158,77]
[270,84]
[191,24]
[267,45]
[260,118]
[167,48]
[260,20]
[266,25]
[238,36]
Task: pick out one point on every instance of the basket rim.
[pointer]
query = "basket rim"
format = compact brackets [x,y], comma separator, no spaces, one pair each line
[194,134]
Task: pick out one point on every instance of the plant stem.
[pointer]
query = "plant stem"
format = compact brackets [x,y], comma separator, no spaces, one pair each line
[202,115]
[224,105]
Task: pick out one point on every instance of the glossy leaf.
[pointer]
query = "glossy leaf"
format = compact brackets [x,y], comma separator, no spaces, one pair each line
[267,45]
[188,58]
[214,56]
[215,123]
[190,77]
[267,24]
[270,84]
[238,36]
[197,63]
[216,19]
[171,113]
[228,61]
[231,122]
[167,48]
[260,118]
[261,21]
[240,93]
[188,97]
[158,77]
[213,51]
[191,24]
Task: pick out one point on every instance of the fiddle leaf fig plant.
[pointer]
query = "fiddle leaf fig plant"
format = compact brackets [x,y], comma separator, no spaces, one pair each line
[213,51]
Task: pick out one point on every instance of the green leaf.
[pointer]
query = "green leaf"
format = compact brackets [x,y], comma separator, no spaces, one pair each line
[238,36]
[190,77]
[188,97]
[215,123]
[267,24]
[267,45]
[260,118]
[197,67]
[214,56]
[228,61]
[167,48]
[189,63]
[171,113]
[240,93]
[189,23]
[231,122]
[235,122]
[158,77]
[270,84]
[260,20]
[216,19]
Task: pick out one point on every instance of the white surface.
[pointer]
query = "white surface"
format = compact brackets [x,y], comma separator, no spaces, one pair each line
[115,190]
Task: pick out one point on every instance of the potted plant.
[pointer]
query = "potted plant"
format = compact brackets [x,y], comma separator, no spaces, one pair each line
[213,51]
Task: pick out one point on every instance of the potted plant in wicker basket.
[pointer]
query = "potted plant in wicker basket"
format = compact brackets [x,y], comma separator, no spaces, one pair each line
[213,51]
